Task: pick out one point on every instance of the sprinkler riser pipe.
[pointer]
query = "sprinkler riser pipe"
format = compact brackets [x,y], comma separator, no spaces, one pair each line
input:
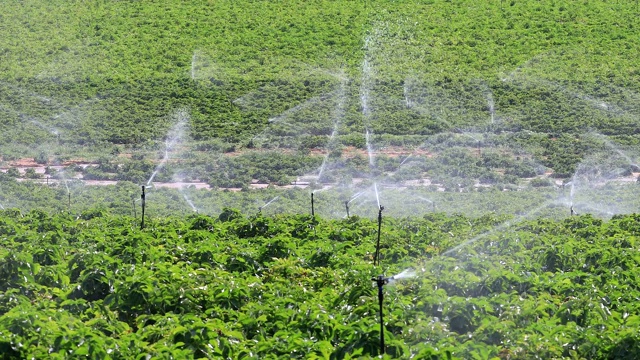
[376,258]
[380,281]
[313,213]
[142,199]
[380,302]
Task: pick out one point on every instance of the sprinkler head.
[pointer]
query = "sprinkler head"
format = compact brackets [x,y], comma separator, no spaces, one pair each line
[380,280]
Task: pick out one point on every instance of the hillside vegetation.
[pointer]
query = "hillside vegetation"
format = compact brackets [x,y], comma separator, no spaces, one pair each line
[539,77]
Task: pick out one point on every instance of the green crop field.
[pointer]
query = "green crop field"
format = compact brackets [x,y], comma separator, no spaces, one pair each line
[91,79]
[300,287]
[496,143]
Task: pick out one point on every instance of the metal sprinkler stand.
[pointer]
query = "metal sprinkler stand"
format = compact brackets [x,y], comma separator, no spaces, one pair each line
[381,281]
[376,258]
[313,213]
[142,198]
[346,205]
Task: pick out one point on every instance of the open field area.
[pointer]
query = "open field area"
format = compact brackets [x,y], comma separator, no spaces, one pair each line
[496,143]
[527,86]
[294,286]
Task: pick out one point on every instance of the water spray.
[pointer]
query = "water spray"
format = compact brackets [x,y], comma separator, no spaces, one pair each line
[375,187]
[267,204]
[186,198]
[380,281]
[433,203]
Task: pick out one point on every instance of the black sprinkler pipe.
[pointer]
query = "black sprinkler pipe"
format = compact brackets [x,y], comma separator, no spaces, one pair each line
[346,205]
[376,258]
[381,281]
[142,198]
[313,213]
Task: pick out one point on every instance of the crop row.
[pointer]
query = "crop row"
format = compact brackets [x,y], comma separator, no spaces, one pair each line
[99,83]
[297,286]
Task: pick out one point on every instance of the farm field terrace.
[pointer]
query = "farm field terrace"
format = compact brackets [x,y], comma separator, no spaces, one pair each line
[231,92]
[500,137]
[238,286]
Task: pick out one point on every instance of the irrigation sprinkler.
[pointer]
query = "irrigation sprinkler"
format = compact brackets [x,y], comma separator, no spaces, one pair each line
[142,198]
[313,213]
[380,280]
[69,196]
[573,212]
[376,258]
[267,204]
[346,205]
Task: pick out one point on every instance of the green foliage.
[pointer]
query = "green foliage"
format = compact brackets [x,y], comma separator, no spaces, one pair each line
[483,93]
[291,75]
[296,286]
